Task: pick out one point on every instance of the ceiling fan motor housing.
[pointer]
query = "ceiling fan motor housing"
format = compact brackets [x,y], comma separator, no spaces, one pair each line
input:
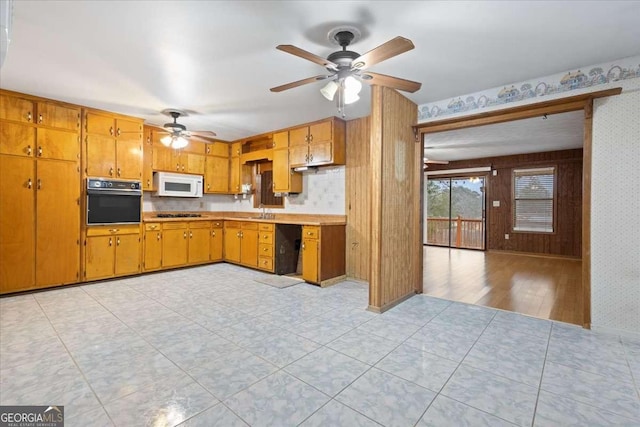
[344,57]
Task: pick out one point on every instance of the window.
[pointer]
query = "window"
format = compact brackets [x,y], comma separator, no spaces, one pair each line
[534,199]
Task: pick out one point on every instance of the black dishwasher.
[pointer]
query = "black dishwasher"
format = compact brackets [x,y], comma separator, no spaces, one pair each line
[287,247]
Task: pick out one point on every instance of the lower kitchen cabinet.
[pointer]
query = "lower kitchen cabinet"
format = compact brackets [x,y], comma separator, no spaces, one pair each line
[175,244]
[241,242]
[323,253]
[112,251]
[152,247]
[217,241]
[199,242]
[265,247]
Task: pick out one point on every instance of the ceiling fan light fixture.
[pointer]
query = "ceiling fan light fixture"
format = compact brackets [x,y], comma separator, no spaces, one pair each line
[350,98]
[179,142]
[329,90]
[166,140]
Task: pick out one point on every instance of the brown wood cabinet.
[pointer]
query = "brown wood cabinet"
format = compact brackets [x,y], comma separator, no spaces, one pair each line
[241,242]
[111,251]
[152,259]
[216,175]
[147,159]
[199,241]
[170,160]
[217,241]
[235,169]
[39,193]
[113,145]
[323,253]
[318,144]
[266,247]
[285,180]
[175,244]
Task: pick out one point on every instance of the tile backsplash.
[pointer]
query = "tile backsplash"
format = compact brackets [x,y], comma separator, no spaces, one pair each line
[323,193]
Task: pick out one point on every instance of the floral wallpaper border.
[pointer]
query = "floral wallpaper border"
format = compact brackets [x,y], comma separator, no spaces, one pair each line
[627,68]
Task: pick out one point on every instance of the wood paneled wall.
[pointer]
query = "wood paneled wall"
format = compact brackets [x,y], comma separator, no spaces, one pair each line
[358,200]
[395,174]
[567,238]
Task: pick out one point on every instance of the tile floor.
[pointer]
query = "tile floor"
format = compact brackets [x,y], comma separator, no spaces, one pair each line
[210,346]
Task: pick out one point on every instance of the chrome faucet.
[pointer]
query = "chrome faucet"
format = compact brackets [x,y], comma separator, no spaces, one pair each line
[263,214]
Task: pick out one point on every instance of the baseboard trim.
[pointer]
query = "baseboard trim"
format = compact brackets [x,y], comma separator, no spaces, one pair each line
[391,304]
[533,254]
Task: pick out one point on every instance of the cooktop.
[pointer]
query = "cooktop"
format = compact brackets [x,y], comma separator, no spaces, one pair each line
[178,215]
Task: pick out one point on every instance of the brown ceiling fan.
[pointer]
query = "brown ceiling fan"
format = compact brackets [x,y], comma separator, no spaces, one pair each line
[427,162]
[177,135]
[345,63]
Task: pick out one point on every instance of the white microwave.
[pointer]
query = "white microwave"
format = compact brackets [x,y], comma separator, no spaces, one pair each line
[177,184]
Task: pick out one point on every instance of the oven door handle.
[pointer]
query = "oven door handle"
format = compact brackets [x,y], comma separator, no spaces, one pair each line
[114,192]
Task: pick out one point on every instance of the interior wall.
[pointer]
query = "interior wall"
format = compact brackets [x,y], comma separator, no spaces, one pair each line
[323,192]
[395,174]
[567,238]
[615,229]
[358,204]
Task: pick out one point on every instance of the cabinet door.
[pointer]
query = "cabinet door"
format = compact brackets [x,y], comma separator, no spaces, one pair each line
[129,156]
[215,248]
[152,250]
[163,159]
[195,163]
[57,144]
[298,155]
[99,257]
[57,223]
[321,132]
[101,156]
[249,248]
[320,154]
[17,139]
[299,136]
[216,175]
[124,127]
[280,140]
[174,247]
[234,175]
[58,116]
[127,254]
[310,260]
[147,166]
[18,109]
[281,170]
[232,244]
[100,124]
[199,243]
[220,149]
[17,218]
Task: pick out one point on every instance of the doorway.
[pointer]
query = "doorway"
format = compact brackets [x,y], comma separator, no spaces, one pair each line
[455,209]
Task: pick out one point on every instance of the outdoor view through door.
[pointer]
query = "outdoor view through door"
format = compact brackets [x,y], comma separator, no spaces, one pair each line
[455,212]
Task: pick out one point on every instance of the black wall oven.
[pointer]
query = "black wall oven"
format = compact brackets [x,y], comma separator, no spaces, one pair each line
[113,202]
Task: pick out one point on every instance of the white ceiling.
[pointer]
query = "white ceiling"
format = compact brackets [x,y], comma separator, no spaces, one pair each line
[218,59]
[556,132]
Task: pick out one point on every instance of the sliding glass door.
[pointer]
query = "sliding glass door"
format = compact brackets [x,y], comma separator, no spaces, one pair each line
[455,212]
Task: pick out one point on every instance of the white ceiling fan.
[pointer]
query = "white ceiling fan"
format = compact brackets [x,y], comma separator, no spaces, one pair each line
[177,136]
[427,162]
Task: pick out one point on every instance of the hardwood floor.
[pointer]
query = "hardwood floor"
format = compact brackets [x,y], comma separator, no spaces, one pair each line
[548,288]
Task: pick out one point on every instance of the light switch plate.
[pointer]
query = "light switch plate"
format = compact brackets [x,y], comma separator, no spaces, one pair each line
[496,203]
[494,172]
[506,237]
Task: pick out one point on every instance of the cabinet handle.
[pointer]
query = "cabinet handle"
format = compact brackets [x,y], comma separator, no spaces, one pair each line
[153,227]
[265,250]
[40,151]
[303,246]
[306,138]
[306,157]
[208,150]
[39,184]
[158,236]
[273,184]
[264,262]
[182,168]
[28,150]
[110,171]
[29,184]
[118,241]
[111,130]
[238,234]
[213,234]
[39,118]
[311,157]
[110,241]
[118,132]
[29,116]
[191,234]
[184,234]
[148,183]
[308,233]
[266,236]
[114,230]
[310,137]
[118,171]
[178,167]
[208,187]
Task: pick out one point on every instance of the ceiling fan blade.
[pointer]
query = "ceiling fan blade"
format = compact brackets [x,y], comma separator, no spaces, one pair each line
[203,133]
[386,50]
[389,81]
[307,55]
[205,139]
[298,83]
[437,162]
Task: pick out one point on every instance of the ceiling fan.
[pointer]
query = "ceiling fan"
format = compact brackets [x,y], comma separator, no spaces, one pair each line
[346,68]
[427,162]
[177,135]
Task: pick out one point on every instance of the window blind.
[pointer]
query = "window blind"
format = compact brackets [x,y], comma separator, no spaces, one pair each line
[533,202]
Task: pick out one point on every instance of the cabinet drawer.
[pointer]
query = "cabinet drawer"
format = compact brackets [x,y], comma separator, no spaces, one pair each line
[265,227]
[249,225]
[199,224]
[265,263]
[265,250]
[310,232]
[232,224]
[152,226]
[116,229]
[216,224]
[174,225]
[266,237]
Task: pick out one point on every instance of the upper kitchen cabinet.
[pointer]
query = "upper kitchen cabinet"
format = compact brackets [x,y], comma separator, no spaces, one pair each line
[284,179]
[147,159]
[113,145]
[318,144]
[216,175]
[190,159]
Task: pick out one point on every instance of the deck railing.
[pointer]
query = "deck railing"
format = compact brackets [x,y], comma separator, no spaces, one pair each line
[465,232]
